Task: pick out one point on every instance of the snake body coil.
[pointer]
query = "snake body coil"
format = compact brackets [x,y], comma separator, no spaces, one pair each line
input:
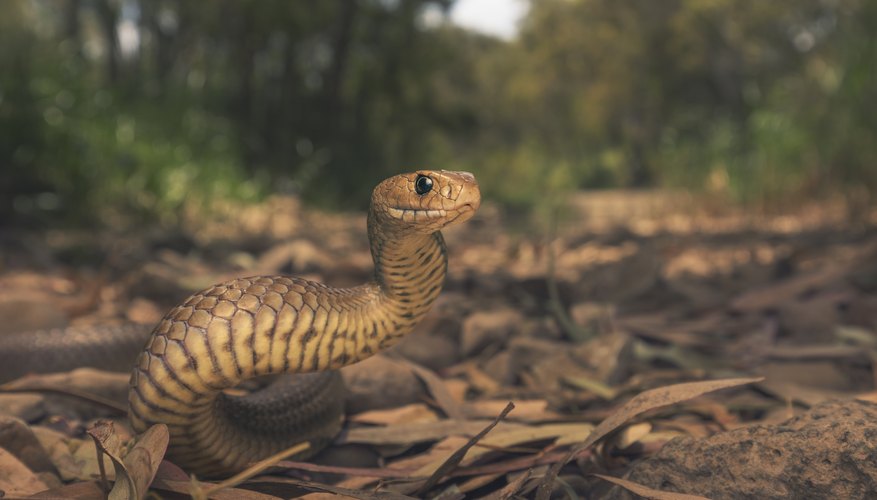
[268,325]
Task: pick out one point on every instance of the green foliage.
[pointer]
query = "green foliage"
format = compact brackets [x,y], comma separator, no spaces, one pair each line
[756,101]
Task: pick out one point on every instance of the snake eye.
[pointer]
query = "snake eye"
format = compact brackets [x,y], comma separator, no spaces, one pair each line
[422,184]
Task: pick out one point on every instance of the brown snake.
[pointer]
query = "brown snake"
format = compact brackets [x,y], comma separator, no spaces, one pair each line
[266,325]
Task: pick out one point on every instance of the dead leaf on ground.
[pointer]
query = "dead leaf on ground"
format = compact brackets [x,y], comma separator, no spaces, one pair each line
[648,493]
[135,472]
[89,490]
[649,400]
[340,491]
[185,488]
[771,296]
[415,412]
[531,411]
[448,403]
[416,432]
[15,478]
[454,460]
[511,489]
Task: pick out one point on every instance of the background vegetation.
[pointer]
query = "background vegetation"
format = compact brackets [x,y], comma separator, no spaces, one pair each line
[143,106]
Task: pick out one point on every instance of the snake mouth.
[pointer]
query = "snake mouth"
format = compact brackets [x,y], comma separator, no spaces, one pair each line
[410,214]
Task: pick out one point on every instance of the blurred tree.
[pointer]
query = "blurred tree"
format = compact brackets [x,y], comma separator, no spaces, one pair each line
[145,106]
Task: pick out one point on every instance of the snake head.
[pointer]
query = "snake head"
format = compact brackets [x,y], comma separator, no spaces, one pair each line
[426,200]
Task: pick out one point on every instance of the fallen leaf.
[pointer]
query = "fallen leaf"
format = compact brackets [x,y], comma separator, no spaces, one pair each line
[457,388]
[416,412]
[96,387]
[771,296]
[593,386]
[17,438]
[185,488]
[816,352]
[511,489]
[75,459]
[415,433]
[436,385]
[648,493]
[135,472]
[633,433]
[89,490]
[649,400]
[533,410]
[475,482]
[340,491]
[480,380]
[384,472]
[15,478]
[452,461]
[790,391]
[502,438]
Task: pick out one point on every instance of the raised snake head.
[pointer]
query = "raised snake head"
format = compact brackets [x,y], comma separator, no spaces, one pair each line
[426,201]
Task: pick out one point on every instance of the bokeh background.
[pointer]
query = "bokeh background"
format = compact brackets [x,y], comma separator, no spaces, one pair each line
[144,108]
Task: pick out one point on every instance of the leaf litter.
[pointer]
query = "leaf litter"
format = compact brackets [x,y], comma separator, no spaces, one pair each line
[613,333]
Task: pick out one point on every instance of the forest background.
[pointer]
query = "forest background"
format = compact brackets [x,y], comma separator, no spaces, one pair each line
[145,108]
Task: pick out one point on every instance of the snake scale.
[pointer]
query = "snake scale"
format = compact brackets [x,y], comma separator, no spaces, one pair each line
[267,325]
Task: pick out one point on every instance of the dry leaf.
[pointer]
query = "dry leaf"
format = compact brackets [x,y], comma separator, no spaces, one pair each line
[771,296]
[136,471]
[809,396]
[416,412]
[89,490]
[75,459]
[648,493]
[338,490]
[457,388]
[454,460]
[509,437]
[15,478]
[534,410]
[480,380]
[633,433]
[417,432]
[649,400]
[476,482]
[185,488]
[499,439]
[512,488]
[448,403]
[593,386]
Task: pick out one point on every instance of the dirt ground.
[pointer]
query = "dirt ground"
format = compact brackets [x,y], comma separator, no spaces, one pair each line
[648,343]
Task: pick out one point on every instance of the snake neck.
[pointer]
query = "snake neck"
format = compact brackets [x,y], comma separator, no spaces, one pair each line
[410,270]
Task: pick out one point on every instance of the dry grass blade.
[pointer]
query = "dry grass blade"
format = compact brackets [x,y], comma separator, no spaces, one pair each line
[458,455]
[136,471]
[648,493]
[257,467]
[649,400]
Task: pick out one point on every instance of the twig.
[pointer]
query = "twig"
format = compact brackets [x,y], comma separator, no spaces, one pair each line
[451,463]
